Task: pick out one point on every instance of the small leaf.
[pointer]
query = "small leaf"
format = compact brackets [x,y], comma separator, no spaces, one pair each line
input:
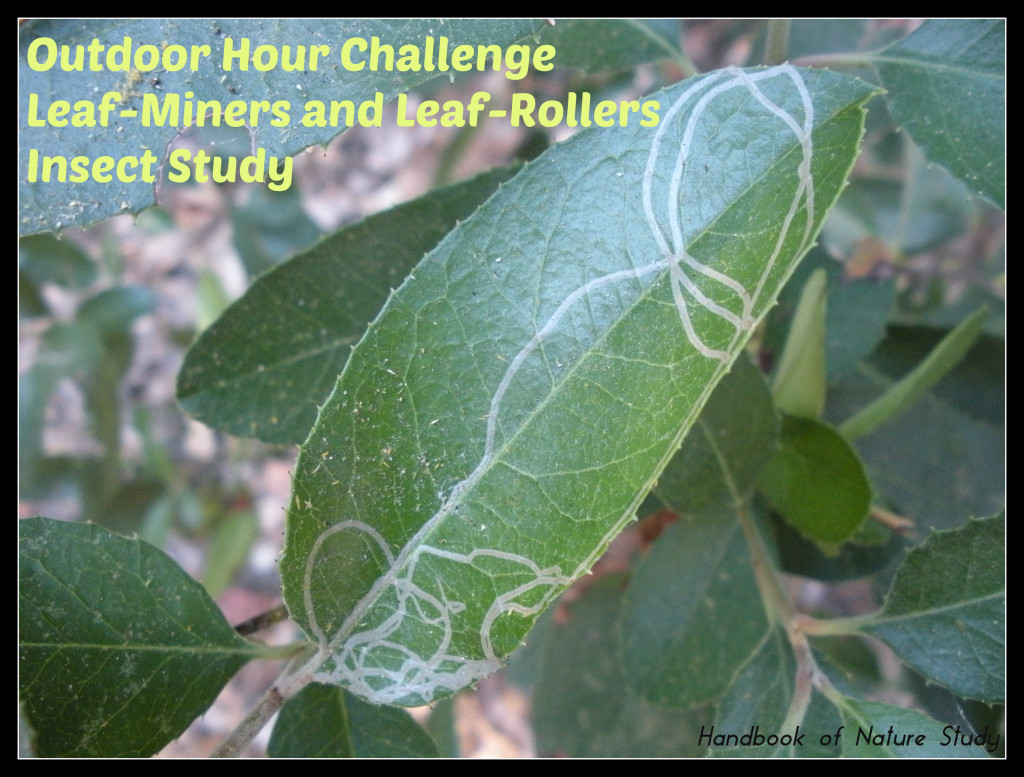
[760,694]
[47,259]
[268,227]
[266,365]
[946,612]
[875,730]
[947,87]
[113,311]
[760,697]
[799,386]
[327,722]
[817,482]
[228,549]
[120,648]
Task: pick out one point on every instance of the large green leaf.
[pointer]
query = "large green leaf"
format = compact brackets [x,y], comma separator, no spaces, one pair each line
[327,722]
[120,648]
[947,87]
[266,365]
[946,612]
[55,205]
[508,410]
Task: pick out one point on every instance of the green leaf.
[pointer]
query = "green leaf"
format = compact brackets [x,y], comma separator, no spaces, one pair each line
[817,482]
[228,549]
[946,612]
[64,350]
[56,205]
[266,365]
[910,389]
[584,708]
[976,385]
[120,648]
[48,259]
[113,311]
[326,722]
[875,730]
[947,87]
[610,45]
[760,697]
[441,727]
[508,410]
[693,614]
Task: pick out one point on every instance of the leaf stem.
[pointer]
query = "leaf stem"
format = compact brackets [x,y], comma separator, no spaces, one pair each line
[897,523]
[834,627]
[777,601]
[851,61]
[797,625]
[295,676]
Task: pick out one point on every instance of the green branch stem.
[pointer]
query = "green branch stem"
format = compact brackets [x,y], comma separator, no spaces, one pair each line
[296,676]
[776,47]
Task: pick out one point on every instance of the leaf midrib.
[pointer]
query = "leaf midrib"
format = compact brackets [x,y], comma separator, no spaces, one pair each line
[241,650]
[896,618]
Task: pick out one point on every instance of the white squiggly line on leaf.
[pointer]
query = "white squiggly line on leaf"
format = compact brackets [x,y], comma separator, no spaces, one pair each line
[365,657]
